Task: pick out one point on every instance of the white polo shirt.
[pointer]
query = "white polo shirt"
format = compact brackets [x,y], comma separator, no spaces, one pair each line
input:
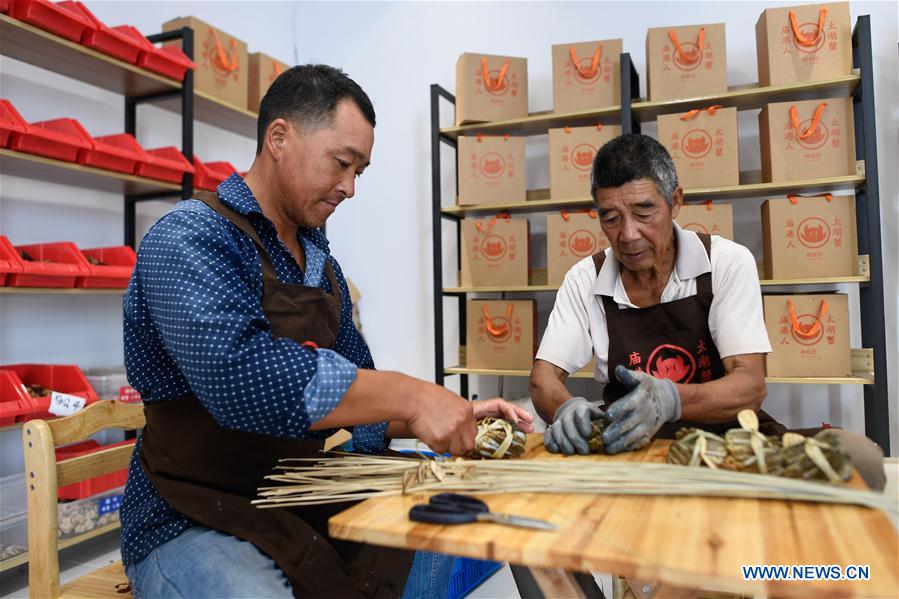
[577,326]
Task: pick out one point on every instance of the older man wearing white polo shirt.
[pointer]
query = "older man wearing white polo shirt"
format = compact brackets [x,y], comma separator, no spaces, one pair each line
[674,315]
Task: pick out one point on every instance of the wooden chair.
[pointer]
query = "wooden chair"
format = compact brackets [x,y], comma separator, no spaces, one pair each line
[43,475]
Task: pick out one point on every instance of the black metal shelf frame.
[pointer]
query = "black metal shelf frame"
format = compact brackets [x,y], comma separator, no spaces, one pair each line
[186,93]
[867,196]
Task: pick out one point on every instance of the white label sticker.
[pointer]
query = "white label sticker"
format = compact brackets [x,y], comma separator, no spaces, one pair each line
[62,404]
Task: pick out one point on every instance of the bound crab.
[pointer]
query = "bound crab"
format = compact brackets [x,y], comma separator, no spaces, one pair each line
[595,439]
[498,439]
[695,447]
[815,458]
[748,450]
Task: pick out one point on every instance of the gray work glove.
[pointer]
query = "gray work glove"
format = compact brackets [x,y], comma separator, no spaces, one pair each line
[571,427]
[636,417]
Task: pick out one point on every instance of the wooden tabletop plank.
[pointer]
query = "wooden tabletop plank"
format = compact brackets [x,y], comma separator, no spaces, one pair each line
[681,541]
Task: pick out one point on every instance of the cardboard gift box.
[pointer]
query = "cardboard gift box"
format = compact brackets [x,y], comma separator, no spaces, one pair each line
[804,43]
[586,75]
[809,335]
[494,251]
[571,237]
[708,218]
[808,139]
[501,334]
[263,70]
[490,88]
[686,61]
[221,61]
[491,170]
[571,153]
[704,145]
[807,237]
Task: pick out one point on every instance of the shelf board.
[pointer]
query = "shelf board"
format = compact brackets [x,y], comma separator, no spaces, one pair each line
[43,49]
[747,97]
[534,124]
[211,110]
[58,291]
[20,164]
[22,558]
[751,187]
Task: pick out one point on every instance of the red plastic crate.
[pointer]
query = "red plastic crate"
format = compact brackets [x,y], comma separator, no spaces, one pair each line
[51,17]
[114,273]
[210,174]
[60,378]
[102,38]
[10,122]
[9,260]
[119,152]
[15,403]
[168,61]
[59,138]
[65,266]
[97,484]
[4,6]
[164,164]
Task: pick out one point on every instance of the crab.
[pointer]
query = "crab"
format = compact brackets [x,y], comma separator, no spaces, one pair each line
[498,439]
[694,447]
[815,458]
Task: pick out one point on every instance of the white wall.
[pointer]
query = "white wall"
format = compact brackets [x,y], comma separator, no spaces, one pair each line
[383,236]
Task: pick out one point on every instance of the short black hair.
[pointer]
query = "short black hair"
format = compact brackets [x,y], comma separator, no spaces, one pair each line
[630,157]
[308,95]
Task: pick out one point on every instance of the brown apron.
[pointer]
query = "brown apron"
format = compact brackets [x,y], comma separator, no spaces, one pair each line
[210,474]
[670,340]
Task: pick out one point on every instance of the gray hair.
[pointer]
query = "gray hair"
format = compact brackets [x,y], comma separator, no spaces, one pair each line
[630,157]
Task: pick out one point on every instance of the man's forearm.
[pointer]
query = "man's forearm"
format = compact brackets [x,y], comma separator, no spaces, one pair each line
[548,390]
[375,396]
[720,400]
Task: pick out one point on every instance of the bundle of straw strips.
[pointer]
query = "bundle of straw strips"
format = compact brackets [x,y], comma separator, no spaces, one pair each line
[350,477]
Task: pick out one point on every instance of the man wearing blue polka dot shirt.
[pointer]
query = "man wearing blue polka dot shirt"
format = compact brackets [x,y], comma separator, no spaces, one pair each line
[239,336]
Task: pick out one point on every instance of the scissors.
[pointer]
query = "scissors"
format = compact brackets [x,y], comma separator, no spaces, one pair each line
[452,508]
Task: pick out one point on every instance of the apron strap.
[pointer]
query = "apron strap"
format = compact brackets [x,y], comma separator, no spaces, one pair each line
[704,281]
[243,223]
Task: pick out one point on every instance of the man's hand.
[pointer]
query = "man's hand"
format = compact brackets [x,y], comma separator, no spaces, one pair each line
[571,427]
[638,415]
[500,408]
[441,419]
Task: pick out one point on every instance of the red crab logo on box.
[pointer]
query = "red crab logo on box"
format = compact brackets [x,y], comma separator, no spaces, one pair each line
[697,227]
[690,49]
[582,156]
[497,88]
[671,362]
[502,329]
[585,65]
[814,232]
[492,165]
[493,247]
[809,31]
[223,63]
[817,139]
[806,322]
[697,143]
[582,243]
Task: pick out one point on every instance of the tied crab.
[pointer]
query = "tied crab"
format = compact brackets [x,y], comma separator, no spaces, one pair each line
[498,439]
[748,450]
[595,439]
[695,447]
[815,458]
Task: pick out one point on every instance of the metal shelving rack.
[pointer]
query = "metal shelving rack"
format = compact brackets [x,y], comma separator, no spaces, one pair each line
[631,112]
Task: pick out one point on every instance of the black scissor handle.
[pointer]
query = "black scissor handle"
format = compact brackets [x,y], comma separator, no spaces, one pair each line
[441,514]
[460,502]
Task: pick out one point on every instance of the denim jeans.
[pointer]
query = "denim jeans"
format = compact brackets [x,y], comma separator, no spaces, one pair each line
[202,562]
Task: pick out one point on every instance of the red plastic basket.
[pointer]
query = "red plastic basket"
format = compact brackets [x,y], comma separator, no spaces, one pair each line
[114,273]
[4,6]
[10,122]
[15,403]
[105,39]
[97,484]
[210,174]
[164,164]
[59,138]
[9,260]
[51,17]
[60,378]
[65,266]
[168,61]
[119,152]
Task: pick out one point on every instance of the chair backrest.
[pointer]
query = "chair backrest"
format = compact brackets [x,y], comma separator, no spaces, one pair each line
[43,476]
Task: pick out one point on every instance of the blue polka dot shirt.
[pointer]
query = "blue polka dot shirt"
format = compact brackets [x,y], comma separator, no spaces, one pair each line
[193,323]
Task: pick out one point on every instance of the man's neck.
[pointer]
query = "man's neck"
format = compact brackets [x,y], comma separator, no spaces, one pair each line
[259,180]
[644,287]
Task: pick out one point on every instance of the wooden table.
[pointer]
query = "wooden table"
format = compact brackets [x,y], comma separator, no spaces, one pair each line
[663,546]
